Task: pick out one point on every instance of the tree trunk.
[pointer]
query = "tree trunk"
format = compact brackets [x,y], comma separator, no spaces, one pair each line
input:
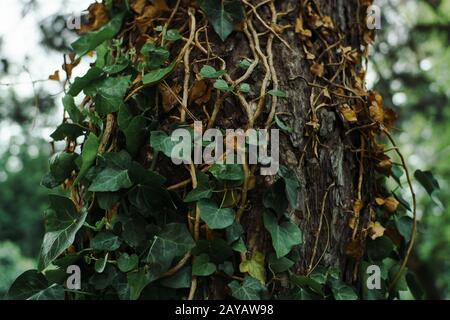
[325,156]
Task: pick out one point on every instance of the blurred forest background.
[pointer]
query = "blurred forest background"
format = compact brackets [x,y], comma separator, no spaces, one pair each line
[409,66]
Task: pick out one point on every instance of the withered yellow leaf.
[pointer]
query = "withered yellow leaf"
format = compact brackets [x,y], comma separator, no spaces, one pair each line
[54,76]
[391,204]
[376,230]
[98,16]
[317,69]
[348,113]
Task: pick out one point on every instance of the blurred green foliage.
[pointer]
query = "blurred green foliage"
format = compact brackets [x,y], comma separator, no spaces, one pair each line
[411,61]
[22,199]
[12,264]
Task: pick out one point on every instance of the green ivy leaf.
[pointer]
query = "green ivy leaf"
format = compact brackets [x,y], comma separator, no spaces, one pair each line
[63,223]
[102,53]
[100,264]
[74,113]
[250,289]
[431,185]
[151,200]
[111,180]
[180,280]
[342,291]
[222,85]
[292,185]
[105,241]
[88,156]
[135,134]
[156,76]
[254,266]
[227,268]
[279,265]
[92,40]
[402,201]
[245,64]
[118,67]
[161,142]
[217,249]
[404,226]
[215,217]
[134,233]
[107,199]
[202,266]
[137,281]
[208,72]
[67,130]
[119,160]
[414,286]
[109,93]
[49,181]
[172,35]
[276,198]
[172,242]
[239,246]
[244,88]
[127,262]
[227,172]
[306,282]
[427,180]
[223,15]
[379,248]
[61,165]
[203,190]
[26,285]
[154,56]
[284,235]
[234,232]
[54,292]
[277,93]
[397,173]
[282,125]
[80,83]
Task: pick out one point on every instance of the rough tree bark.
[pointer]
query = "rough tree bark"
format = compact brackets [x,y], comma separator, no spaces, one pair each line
[322,154]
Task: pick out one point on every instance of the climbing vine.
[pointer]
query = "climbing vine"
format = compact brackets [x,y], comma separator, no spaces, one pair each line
[140,226]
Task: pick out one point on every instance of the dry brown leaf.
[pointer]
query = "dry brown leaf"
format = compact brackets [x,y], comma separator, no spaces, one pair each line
[327,22]
[317,69]
[169,100]
[54,76]
[149,13]
[137,5]
[379,201]
[304,33]
[310,56]
[200,93]
[357,207]
[390,117]
[384,166]
[369,37]
[391,204]
[376,230]
[348,113]
[376,112]
[354,249]
[98,16]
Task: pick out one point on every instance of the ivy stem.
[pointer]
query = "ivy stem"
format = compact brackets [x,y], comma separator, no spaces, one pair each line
[414,227]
